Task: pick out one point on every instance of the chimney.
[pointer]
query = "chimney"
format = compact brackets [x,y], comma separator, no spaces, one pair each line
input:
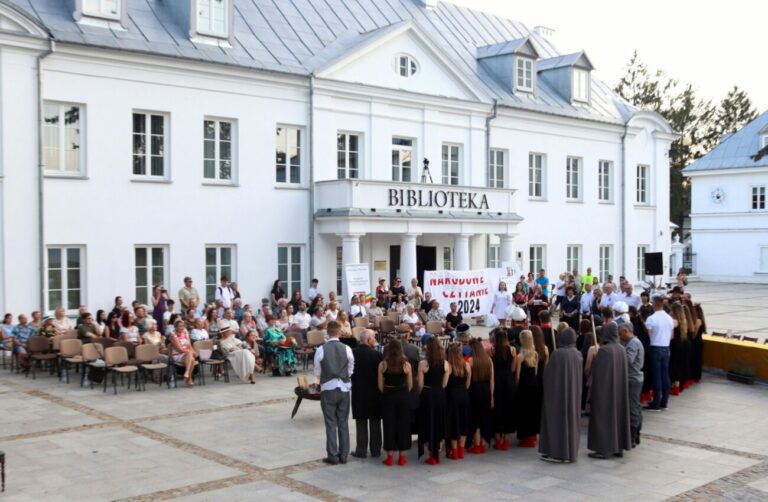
[543,31]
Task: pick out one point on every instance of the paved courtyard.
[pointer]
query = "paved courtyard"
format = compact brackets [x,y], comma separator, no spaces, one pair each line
[736,307]
[236,442]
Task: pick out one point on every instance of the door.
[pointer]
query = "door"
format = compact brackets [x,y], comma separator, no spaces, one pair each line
[394,264]
[426,259]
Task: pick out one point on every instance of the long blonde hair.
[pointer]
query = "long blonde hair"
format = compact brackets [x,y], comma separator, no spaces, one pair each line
[527,350]
[679,314]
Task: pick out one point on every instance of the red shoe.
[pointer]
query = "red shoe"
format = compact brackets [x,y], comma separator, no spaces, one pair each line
[432,460]
[674,391]
[646,397]
[475,450]
[401,460]
[453,454]
[505,445]
[461,452]
[497,445]
[389,461]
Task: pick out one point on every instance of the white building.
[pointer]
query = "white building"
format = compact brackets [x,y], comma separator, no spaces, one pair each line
[260,139]
[729,220]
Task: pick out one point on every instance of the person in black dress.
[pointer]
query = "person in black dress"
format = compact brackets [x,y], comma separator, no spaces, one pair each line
[677,356]
[432,379]
[503,389]
[697,344]
[570,307]
[528,400]
[458,414]
[481,396]
[688,344]
[637,318]
[395,382]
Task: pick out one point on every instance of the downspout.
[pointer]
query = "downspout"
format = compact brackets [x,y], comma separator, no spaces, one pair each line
[624,197]
[311,243]
[41,173]
[488,162]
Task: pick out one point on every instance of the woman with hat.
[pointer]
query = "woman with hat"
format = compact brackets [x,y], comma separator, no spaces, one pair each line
[237,352]
[48,329]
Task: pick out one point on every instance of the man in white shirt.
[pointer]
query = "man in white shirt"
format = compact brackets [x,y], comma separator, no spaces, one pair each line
[334,365]
[313,290]
[301,320]
[587,297]
[224,293]
[628,295]
[229,320]
[356,309]
[609,296]
[660,329]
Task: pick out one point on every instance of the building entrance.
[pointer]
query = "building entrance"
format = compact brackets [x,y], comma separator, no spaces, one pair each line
[426,259]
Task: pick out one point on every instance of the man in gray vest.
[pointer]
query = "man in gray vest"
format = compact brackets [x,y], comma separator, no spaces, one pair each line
[334,364]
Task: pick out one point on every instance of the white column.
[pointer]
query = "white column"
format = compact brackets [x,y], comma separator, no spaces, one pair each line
[461,252]
[350,255]
[506,249]
[408,259]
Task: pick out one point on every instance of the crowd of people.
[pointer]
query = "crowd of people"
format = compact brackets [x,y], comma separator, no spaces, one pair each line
[609,351]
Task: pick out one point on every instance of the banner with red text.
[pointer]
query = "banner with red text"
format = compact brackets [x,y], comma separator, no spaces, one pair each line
[472,290]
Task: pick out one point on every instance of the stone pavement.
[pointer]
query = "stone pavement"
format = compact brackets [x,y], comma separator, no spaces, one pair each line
[236,442]
[739,308]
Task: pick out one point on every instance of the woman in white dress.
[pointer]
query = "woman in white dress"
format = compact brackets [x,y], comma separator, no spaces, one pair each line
[415,296]
[239,355]
[501,300]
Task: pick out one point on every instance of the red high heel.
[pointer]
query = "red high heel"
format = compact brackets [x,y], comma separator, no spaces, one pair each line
[389,461]
[674,391]
[401,460]
[497,444]
[432,460]
[461,452]
[505,445]
[453,454]
[475,450]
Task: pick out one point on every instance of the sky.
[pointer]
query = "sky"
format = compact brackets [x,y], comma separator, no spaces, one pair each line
[712,45]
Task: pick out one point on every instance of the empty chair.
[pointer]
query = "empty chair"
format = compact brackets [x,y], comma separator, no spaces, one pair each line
[39,350]
[386,327]
[70,352]
[394,316]
[361,322]
[115,359]
[217,365]
[147,358]
[435,328]
[91,354]
[315,338]
[357,330]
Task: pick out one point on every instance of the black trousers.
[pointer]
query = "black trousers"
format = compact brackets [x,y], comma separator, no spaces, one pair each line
[368,429]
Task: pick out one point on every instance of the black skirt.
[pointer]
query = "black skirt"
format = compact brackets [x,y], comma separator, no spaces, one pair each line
[458,416]
[480,401]
[504,402]
[396,417]
[528,403]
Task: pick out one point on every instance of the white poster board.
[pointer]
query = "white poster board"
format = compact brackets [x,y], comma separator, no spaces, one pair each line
[472,290]
[358,277]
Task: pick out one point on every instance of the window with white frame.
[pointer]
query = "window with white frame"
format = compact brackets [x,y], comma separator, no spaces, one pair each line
[524,74]
[764,142]
[573,257]
[764,259]
[288,155]
[63,142]
[758,197]
[493,256]
[405,65]
[102,8]
[402,159]
[339,269]
[289,267]
[573,178]
[496,169]
[151,266]
[451,163]
[65,269]
[641,250]
[213,17]
[536,166]
[149,130]
[348,155]
[580,85]
[218,141]
[447,258]
[605,181]
[219,262]
[535,258]
[605,261]
[641,188]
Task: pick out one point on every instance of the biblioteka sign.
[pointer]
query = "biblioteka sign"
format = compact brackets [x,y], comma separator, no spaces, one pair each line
[450,199]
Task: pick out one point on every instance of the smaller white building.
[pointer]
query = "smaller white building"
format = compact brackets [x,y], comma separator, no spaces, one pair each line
[729,216]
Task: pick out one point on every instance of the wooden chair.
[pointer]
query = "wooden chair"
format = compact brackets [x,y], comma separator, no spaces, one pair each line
[360,322]
[315,338]
[435,328]
[386,328]
[719,335]
[394,316]
[90,353]
[70,352]
[749,339]
[357,330]
[218,366]
[115,359]
[147,357]
[39,351]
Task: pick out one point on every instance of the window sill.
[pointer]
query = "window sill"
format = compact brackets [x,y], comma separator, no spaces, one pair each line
[290,186]
[606,202]
[537,199]
[212,183]
[138,179]
[645,206]
[574,201]
[66,176]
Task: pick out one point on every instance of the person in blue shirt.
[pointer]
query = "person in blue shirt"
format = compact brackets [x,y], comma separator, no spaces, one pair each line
[21,334]
[543,281]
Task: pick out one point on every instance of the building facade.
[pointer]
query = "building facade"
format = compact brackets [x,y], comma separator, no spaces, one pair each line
[143,141]
[729,218]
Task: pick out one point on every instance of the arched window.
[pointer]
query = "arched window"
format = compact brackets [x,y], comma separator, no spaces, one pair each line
[405,65]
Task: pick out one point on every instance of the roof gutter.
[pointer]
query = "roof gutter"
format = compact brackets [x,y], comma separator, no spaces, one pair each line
[311,241]
[41,175]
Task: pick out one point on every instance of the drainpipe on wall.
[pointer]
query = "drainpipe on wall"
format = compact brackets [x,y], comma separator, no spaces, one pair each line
[41,173]
[488,136]
[311,243]
[624,197]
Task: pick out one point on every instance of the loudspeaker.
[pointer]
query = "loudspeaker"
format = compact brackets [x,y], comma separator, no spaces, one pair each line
[654,264]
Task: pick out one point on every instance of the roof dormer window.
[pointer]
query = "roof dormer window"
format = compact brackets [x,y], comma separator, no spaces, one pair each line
[580,85]
[524,74]
[213,18]
[405,65]
[764,140]
[108,9]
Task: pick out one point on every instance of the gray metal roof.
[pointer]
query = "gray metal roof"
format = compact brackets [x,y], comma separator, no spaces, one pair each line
[579,59]
[509,47]
[735,151]
[296,36]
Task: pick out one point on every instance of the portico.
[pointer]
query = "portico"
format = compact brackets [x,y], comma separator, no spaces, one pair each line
[403,229]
